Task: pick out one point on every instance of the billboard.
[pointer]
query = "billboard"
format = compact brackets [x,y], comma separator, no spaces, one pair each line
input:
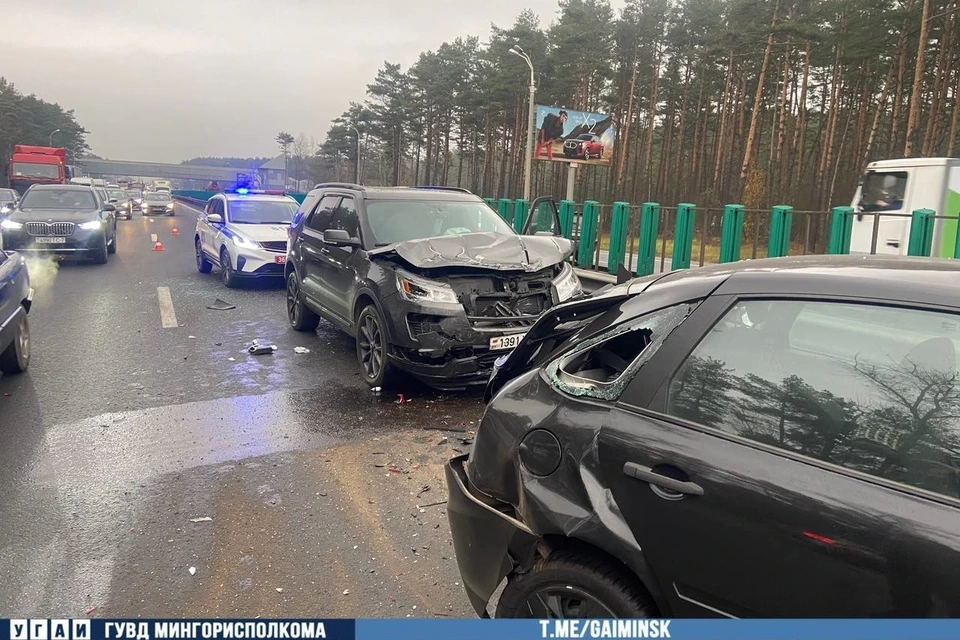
[568,135]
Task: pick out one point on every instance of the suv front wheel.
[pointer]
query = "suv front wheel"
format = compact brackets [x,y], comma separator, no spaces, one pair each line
[372,347]
[301,318]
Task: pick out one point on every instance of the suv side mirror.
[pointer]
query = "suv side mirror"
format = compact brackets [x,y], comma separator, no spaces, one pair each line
[340,238]
[109,207]
[215,218]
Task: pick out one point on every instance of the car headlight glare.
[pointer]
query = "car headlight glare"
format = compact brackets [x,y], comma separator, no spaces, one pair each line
[245,243]
[417,289]
[170,206]
[10,224]
[89,226]
[567,284]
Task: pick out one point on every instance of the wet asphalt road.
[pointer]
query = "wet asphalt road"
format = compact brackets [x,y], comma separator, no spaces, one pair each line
[320,494]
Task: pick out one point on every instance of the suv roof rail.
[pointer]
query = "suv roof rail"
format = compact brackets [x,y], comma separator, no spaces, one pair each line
[341,185]
[439,188]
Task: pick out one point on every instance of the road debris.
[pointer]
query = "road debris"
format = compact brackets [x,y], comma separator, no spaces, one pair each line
[191,337]
[442,440]
[90,611]
[346,592]
[257,349]
[279,589]
[301,350]
[203,519]
[431,504]
[401,399]
[423,490]
[376,390]
[192,570]
[221,305]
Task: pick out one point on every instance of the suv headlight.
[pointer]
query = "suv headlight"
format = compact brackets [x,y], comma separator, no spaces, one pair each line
[89,226]
[567,284]
[10,224]
[417,289]
[240,241]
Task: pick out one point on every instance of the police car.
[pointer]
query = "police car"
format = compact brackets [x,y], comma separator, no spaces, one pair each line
[244,233]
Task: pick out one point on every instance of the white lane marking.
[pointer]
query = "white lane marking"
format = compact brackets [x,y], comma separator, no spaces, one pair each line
[153,238]
[168,317]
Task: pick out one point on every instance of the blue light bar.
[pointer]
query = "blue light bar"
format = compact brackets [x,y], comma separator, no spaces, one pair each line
[243,191]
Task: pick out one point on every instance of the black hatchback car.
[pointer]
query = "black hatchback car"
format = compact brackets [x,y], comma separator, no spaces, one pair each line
[429,280]
[767,438]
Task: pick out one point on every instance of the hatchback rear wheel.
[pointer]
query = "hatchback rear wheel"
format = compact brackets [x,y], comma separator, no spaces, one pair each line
[574,584]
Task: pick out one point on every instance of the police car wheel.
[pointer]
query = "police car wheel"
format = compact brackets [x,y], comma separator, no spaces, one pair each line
[571,583]
[227,274]
[203,265]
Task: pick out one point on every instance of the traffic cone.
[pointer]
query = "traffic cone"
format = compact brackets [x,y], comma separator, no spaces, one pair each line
[175,232]
[158,246]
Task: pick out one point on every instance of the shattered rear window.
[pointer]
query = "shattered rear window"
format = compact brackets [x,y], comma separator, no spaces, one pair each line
[602,366]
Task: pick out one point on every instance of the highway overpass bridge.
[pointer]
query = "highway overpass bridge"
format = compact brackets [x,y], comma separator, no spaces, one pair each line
[186,174]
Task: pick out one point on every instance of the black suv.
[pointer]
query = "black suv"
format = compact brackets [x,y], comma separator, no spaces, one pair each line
[770,438]
[64,220]
[429,280]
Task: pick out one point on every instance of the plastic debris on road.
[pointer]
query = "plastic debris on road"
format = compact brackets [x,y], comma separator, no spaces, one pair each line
[89,611]
[401,399]
[203,519]
[192,570]
[257,349]
[279,589]
[301,350]
[221,305]
[346,592]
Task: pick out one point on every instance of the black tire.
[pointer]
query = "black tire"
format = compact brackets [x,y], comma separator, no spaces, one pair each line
[372,347]
[203,265]
[112,247]
[301,318]
[574,584]
[586,156]
[227,275]
[101,253]
[16,357]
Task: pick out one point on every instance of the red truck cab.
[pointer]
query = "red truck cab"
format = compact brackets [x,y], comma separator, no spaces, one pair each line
[37,165]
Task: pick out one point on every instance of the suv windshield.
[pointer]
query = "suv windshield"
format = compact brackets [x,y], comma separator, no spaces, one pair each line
[261,212]
[58,199]
[883,191]
[401,220]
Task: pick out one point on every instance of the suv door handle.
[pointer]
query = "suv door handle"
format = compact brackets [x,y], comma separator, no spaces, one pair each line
[646,474]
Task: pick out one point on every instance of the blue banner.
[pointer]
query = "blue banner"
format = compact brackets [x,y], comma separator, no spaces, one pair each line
[472,629]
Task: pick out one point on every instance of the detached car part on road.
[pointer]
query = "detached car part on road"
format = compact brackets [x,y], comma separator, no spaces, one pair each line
[16,296]
[430,281]
[62,220]
[770,438]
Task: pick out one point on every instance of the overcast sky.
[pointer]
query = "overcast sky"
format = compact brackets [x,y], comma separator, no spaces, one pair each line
[166,81]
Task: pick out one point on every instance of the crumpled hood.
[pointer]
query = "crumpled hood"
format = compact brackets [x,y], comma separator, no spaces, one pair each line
[497,251]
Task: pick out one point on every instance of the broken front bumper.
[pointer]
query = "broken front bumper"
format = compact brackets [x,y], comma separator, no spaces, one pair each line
[489,543]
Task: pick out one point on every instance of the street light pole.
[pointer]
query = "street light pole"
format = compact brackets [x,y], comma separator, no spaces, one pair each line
[531,124]
[356,169]
[50,139]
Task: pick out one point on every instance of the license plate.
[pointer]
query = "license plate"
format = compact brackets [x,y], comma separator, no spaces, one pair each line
[51,240]
[280,259]
[506,342]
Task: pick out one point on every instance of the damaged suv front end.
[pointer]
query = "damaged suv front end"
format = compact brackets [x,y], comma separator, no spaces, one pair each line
[462,302]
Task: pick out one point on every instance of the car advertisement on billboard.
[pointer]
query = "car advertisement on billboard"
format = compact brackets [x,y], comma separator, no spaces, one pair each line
[568,135]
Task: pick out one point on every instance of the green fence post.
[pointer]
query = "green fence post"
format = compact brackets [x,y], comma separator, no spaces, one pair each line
[619,220]
[956,248]
[567,208]
[505,209]
[649,227]
[683,235]
[731,233]
[491,202]
[588,233]
[781,217]
[521,209]
[841,226]
[921,232]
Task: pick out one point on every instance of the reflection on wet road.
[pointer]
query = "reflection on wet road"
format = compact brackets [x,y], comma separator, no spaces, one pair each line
[131,454]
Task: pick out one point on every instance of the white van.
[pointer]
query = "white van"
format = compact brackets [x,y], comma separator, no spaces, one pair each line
[901,187]
[88,182]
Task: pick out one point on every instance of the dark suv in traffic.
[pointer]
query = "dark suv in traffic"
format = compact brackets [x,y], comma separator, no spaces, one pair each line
[429,280]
